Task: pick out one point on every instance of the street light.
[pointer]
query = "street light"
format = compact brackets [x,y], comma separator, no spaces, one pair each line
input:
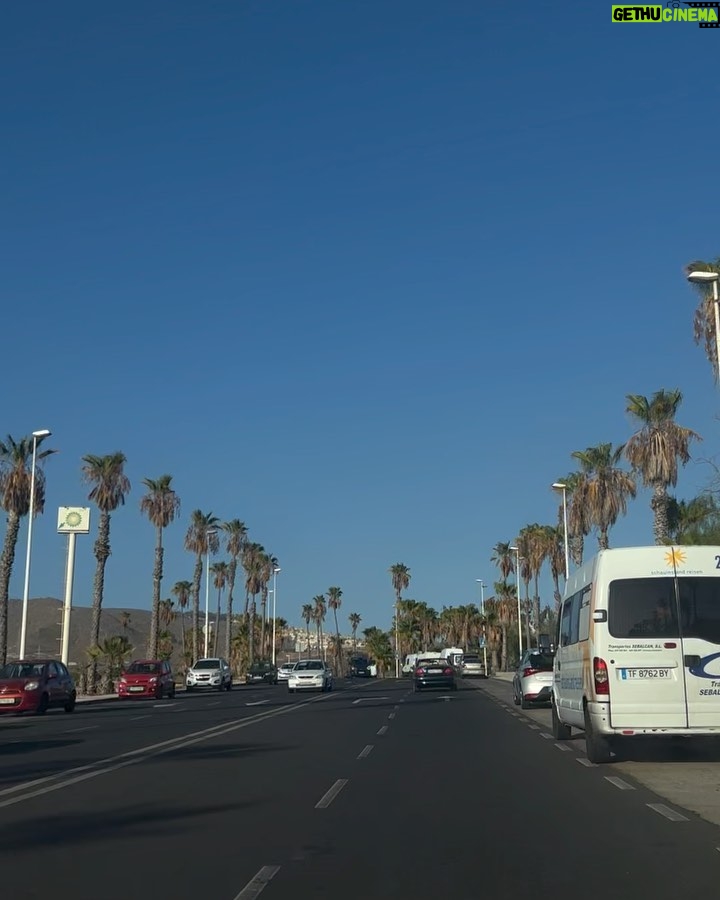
[275,572]
[482,595]
[706,278]
[559,486]
[208,534]
[36,435]
[516,551]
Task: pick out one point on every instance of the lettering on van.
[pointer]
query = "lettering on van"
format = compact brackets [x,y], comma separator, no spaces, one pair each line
[645,647]
[712,691]
[571,684]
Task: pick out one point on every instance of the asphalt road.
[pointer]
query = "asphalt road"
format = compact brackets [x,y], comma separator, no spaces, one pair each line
[368,792]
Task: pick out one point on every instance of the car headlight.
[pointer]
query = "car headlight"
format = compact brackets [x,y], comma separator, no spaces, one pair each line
[32,685]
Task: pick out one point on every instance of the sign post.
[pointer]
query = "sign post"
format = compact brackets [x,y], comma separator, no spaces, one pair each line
[72,520]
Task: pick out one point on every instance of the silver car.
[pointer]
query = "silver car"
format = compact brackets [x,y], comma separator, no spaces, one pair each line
[533,680]
[214,673]
[283,672]
[472,666]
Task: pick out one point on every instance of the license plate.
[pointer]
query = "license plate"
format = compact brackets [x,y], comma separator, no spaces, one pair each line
[6,701]
[632,674]
[434,671]
[136,690]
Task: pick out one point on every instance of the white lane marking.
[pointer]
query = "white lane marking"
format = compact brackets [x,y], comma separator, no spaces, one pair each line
[534,727]
[402,700]
[619,783]
[396,707]
[446,699]
[363,699]
[669,813]
[137,718]
[163,705]
[76,730]
[366,751]
[328,797]
[586,762]
[258,883]
[257,703]
[563,747]
[131,757]
[544,734]
[391,716]
[214,703]
[383,729]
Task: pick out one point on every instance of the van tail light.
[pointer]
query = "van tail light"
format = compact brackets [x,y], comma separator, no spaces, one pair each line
[528,671]
[447,671]
[600,674]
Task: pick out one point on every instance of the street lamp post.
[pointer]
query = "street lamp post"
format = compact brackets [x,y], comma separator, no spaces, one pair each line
[516,551]
[208,536]
[31,515]
[275,572]
[482,595]
[560,486]
[707,278]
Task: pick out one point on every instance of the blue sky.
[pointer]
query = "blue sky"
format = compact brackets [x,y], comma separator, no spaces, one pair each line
[361,274]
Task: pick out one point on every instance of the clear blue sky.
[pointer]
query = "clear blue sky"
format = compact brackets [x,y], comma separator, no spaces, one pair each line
[362,274]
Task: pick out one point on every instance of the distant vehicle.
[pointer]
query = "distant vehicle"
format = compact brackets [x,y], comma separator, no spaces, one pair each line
[147,678]
[533,679]
[36,686]
[473,666]
[285,670]
[360,667]
[454,655]
[262,671]
[310,675]
[434,672]
[410,664]
[212,672]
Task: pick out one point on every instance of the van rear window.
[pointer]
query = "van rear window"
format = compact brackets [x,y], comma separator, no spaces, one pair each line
[647,608]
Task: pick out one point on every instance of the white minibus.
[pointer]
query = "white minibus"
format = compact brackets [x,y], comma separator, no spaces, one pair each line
[638,647]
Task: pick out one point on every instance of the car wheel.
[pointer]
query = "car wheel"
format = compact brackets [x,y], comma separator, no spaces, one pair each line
[561,732]
[70,705]
[516,697]
[171,693]
[597,746]
[43,705]
[229,685]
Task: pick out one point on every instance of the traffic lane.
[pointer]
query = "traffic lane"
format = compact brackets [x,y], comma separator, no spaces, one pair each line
[216,811]
[678,769]
[39,747]
[462,797]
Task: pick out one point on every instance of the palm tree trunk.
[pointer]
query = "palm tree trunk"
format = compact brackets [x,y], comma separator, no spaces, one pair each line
[182,631]
[659,504]
[232,570]
[217,623]
[263,611]
[251,633]
[338,646]
[197,575]
[157,579]
[322,644]
[577,549]
[6,563]
[504,646]
[307,626]
[102,552]
[536,603]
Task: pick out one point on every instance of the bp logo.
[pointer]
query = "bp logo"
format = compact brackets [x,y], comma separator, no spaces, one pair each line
[72,519]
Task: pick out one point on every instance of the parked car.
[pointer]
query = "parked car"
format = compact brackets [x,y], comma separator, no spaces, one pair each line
[285,670]
[310,675]
[36,686]
[212,673]
[433,673]
[473,666]
[533,679]
[262,671]
[147,678]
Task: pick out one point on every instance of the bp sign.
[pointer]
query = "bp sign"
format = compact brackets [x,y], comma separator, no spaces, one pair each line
[73,520]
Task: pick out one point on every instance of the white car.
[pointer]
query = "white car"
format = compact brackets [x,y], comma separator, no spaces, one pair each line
[212,673]
[284,671]
[310,675]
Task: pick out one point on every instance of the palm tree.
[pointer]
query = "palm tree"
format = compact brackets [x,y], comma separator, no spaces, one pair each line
[354,619]
[504,558]
[556,558]
[400,575]
[115,650]
[110,485]
[605,489]
[704,320]
[578,525]
[161,504]
[252,563]
[319,612]
[200,539]
[267,565]
[307,614]
[533,540]
[654,450]
[166,613]
[15,500]
[182,591]
[334,595]
[219,571]
[235,539]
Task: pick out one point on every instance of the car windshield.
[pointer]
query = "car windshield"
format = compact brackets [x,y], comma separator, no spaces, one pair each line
[308,664]
[261,665]
[143,668]
[22,670]
[287,667]
[468,659]
[207,664]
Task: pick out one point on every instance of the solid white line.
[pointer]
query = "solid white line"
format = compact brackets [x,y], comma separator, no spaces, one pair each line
[214,703]
[366,751]
[669,813]
[544,734]
[137,718]
[328,797]
[257,703]
[75,730]
[383,729]
[586,762]
[619,783]
[257,884]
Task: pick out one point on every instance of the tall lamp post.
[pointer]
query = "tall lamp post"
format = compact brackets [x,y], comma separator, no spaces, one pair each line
[208,537]
[482,595]
[275,573]
[708,278]
[516,551]
[36,435]
[560,486]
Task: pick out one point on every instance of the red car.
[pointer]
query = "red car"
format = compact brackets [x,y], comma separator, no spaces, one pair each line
[36,686]
[147,678]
